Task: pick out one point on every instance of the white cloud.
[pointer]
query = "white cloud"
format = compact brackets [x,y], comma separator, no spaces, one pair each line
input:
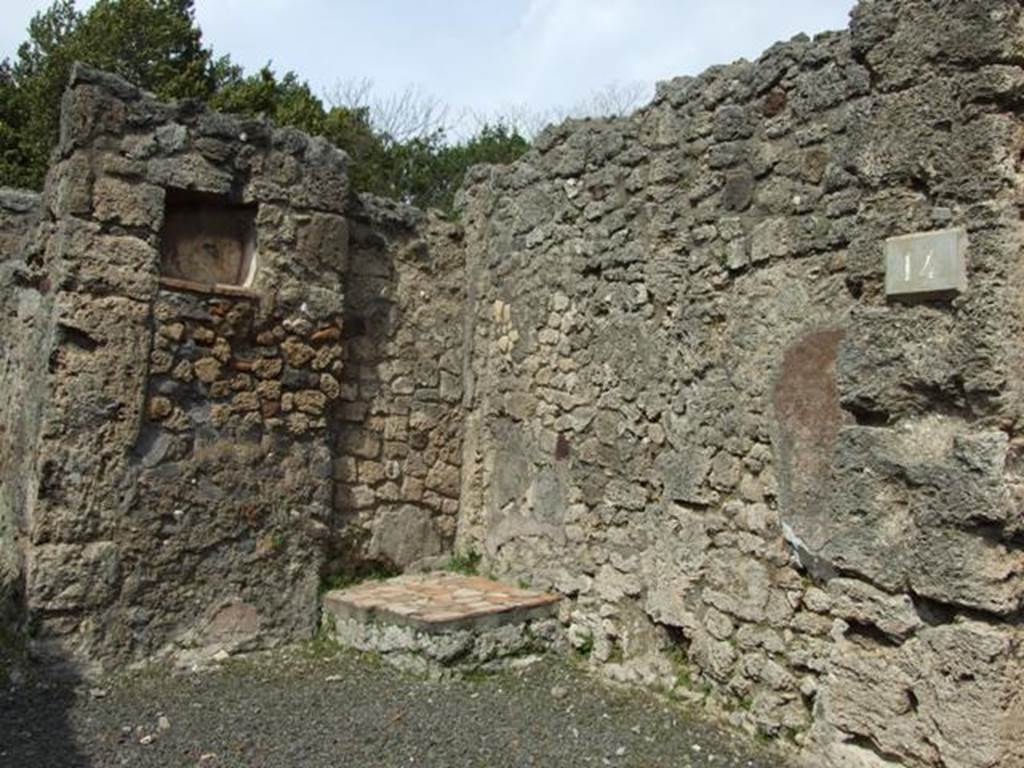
[566,48]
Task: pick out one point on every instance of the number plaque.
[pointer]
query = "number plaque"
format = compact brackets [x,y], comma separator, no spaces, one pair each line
[927,265]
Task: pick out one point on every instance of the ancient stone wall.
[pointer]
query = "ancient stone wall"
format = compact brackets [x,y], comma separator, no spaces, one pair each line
[20,323]
[654,367]
[180,471]
[19,213]
[225,409]
[400,420]
[693,410]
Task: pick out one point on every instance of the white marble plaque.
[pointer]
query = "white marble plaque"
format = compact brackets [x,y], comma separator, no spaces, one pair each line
[927,264]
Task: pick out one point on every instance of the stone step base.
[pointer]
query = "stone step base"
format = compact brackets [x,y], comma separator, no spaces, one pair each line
[440,622]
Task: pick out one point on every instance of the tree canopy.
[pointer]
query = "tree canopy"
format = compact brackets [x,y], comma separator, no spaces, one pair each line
[157,45]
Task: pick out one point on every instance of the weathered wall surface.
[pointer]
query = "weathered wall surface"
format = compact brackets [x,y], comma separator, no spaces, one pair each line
[693,410]
[400,420]
[187,461]
[201,456]
[654,368]
[180,476]
[20,327]
[19,213]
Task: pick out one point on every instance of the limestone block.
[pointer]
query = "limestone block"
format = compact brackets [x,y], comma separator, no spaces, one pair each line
[738,586]
[233,626]
[857,601]
[88,112]
[310,401]
[323,241]
[771,239]
[623,494]
[297,353]
[891,363]
[207,370]
[268,367]
[325,182]
[445,479]
[732,122]
[916,520]
[404,535]
[130,205]
[71,183]
[971,33]
[189,171]
[159,408]
[946,697]
[683,474]
[361,443]
[109,263]
[714,658]
[611,585]
[99,363]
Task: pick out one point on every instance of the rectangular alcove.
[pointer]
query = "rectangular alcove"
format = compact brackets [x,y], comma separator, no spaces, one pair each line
[208,240]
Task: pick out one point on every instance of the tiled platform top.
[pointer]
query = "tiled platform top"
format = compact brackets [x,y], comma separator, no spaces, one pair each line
[439,602]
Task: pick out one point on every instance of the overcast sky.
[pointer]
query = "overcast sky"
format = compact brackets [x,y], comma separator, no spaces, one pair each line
[489,55]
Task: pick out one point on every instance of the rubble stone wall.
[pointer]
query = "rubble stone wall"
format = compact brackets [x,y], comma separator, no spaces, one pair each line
[19,213]
[693,411]
[178,480]
[196,458]
[399,447]
[652,367]
[20,323]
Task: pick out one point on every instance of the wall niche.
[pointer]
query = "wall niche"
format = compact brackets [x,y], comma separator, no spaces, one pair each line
[208,239]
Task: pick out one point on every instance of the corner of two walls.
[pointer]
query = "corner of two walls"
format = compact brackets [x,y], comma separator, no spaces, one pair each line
[695,413]
[188,462]
[399,443]
[654,369]
[20,328]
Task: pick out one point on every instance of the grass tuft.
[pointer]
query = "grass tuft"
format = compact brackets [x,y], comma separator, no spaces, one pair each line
[467,562]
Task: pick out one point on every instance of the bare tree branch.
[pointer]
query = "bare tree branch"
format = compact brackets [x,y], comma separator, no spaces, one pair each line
[613,100]
[401,116]
[414,114]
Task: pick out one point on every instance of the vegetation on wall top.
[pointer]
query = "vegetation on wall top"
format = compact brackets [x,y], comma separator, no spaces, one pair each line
[157,45]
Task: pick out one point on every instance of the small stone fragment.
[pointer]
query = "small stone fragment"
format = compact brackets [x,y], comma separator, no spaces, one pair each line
[159,408]
[207,370]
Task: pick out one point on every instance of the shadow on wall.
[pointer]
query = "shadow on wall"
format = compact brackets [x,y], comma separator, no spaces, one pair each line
[399,423]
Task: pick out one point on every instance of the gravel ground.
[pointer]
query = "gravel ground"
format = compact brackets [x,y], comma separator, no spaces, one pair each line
[304,710]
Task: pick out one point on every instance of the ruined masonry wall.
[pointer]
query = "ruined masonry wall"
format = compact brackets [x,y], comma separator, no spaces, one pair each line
[652,368]
[399,450]
[693,411]
[195,460]
[19,213]
[19,370]
[178,485]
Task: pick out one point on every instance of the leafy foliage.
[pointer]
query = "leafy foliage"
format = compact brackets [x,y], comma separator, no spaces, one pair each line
[424,169]
[287,101]
[157,45]
[153,43]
